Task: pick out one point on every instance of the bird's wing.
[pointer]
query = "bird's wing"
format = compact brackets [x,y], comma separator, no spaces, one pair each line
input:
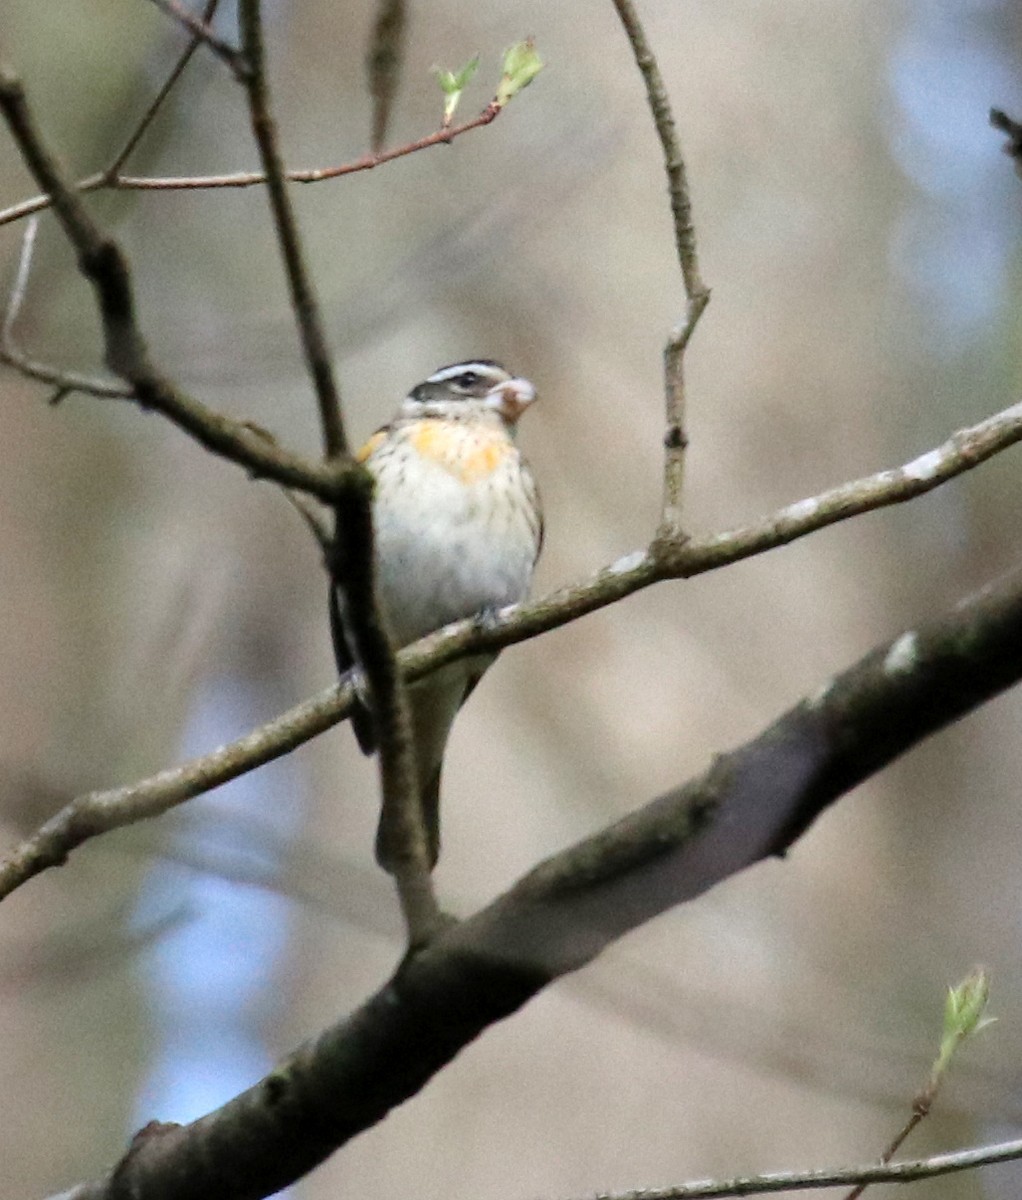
[361,715]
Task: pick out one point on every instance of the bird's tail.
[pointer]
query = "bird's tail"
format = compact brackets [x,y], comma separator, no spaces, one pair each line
[434,703]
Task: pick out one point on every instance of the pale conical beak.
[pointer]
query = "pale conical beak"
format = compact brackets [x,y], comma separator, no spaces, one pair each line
[511,399]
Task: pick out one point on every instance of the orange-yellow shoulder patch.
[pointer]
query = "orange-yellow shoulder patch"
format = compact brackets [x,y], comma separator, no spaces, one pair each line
[483,460]
[466,453]
[370,448]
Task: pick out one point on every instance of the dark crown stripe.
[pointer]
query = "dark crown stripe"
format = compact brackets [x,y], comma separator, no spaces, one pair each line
[482,366]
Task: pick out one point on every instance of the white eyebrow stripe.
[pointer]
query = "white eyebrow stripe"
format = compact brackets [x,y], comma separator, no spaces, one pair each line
[487,370]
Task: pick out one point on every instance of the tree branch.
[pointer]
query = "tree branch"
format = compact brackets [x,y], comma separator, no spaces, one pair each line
[109,177]
[751,804]
[779,1181]
[1013,147]
[147,118]
[13,356]
[352,565]
[202,33]
[101,262]
[98,812]
[245,179]
[696,292]
[838,1177]
[303,296]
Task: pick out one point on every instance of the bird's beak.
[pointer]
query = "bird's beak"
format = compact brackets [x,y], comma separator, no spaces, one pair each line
[511,399]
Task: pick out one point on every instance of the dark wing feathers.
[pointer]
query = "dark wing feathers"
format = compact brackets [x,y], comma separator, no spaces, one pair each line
[361,717]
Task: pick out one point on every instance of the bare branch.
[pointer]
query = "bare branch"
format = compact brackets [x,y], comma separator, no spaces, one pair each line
[100,260]
[305,506]
[961,452]
[64,382]
[313,518]
[1007,125]
[17,297]
[771,1182]
[383,64]
[245,179]
[97,812]
[147,118]
[751,804]
[201,31]
[696,292]
[303,296]
[13,356]
[351,564]
[837,1177]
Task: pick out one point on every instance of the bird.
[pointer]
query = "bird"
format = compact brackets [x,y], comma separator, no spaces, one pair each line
[458,528]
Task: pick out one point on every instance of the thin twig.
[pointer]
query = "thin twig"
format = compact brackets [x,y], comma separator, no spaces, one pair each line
[101,262]
[696,292]
[63,382]
[964,1016]
[352,565]
[888,1154]
[200,29]
[147,118]
[304,505]
[17,296]
[97,812]
[13,356]
[108,178]
[835,1177]
[245,179]
[303,296]
[313,518]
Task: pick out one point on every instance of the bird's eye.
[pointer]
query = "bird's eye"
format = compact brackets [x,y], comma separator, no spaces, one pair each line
[467,379]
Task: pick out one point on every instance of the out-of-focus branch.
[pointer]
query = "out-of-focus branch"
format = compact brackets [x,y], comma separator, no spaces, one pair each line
[1013,147]
[751,804]
[245,179]
[696,292]
[203,34]
[147,118]
[97,812]
[17,296]
[101,262]
[303,297]
[12,355]
[383,64]
[108,178]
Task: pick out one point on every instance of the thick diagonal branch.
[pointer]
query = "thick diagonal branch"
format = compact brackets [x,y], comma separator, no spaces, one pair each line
[751,804]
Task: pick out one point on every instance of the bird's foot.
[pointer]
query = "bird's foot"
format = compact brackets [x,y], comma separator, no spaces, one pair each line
[486,620]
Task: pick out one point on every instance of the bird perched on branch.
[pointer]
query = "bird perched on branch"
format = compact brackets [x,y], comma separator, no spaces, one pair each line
[458,528]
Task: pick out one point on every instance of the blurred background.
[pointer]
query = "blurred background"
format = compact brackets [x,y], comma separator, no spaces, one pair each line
[860,230]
